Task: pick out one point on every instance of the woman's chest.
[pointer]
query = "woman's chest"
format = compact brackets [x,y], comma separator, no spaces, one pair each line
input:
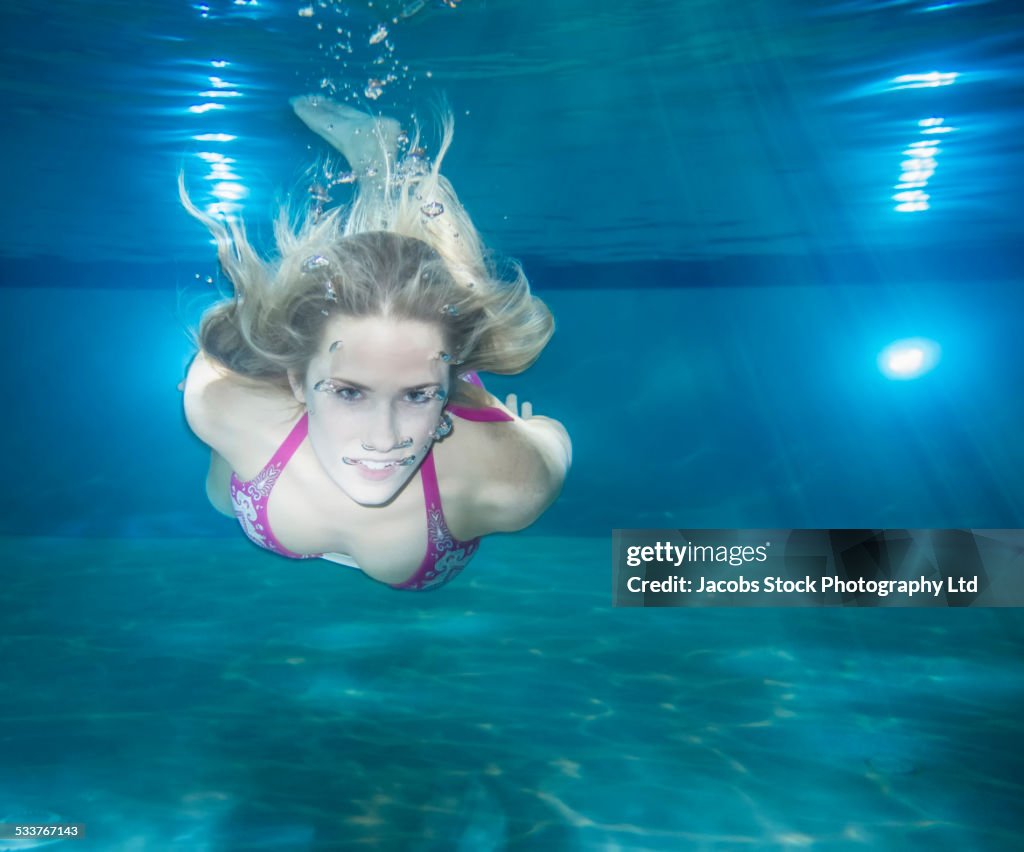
[307,513]
[388,543]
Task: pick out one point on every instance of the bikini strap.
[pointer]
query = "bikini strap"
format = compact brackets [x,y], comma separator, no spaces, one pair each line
[472,378]
[291,443]
[431,493]
[481,415]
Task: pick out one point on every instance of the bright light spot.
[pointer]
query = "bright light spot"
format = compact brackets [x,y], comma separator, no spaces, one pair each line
[230,191]
[220,63]
[919,163]
[921,175]
[224,175]
[198,108]
[214,137]
[919,168]
[912,207]
[211,157]
[908,359]
[925,81]
[215,93]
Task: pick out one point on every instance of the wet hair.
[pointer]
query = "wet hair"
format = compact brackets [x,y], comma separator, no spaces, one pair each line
[404,249]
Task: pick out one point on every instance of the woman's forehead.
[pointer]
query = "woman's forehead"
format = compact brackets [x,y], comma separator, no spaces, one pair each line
[380,331]
[382,351]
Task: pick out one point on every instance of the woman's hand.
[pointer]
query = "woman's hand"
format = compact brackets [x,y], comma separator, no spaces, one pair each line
[547,425]
[526,411]
[512,400]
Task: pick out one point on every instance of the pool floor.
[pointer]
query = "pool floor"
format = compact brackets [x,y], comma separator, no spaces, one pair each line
[204,695]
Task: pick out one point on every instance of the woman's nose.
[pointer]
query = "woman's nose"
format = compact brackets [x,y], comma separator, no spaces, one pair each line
[383,435]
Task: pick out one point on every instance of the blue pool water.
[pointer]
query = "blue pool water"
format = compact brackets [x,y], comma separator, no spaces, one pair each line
[708,195]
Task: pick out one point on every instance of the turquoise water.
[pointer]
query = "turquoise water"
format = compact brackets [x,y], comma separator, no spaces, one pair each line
[703,193]
[182,694]
[757,407]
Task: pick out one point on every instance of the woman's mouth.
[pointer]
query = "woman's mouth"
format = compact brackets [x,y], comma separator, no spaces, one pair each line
[377,469]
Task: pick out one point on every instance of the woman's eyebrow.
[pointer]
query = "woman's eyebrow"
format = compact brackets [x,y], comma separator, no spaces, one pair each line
[349,382]
[358,386]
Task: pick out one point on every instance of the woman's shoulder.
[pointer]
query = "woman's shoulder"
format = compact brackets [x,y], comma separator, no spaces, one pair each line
[220,405]
[512,471]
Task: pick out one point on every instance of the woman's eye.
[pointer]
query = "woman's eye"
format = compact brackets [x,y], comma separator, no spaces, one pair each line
[421,397]
[338,390]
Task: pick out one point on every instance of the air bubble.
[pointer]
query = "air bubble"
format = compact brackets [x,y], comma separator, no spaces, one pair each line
[412,8]
[434,208]
[379,34]
[319,194]
[314,262]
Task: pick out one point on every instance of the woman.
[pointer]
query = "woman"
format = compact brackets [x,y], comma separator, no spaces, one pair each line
[350,363]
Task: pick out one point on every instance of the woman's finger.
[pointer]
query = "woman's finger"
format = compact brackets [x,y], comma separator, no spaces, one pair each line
[510,403]
[527,410]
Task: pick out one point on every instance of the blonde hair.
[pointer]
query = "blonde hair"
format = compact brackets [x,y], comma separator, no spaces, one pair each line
[405,248]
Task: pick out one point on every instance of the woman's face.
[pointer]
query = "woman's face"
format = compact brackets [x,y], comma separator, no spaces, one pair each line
[374,401]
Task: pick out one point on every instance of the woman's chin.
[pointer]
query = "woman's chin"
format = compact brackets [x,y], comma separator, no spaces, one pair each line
[370,487]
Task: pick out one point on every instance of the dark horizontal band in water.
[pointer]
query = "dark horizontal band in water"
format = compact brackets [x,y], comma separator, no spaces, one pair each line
[991,262]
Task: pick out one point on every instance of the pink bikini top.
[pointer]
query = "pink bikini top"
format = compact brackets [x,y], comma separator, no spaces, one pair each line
[445,556]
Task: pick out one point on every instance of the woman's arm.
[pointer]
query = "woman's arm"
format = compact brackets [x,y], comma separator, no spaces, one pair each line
[209,396]
[202,387]
[218,484]
[554,443]
[530,470]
